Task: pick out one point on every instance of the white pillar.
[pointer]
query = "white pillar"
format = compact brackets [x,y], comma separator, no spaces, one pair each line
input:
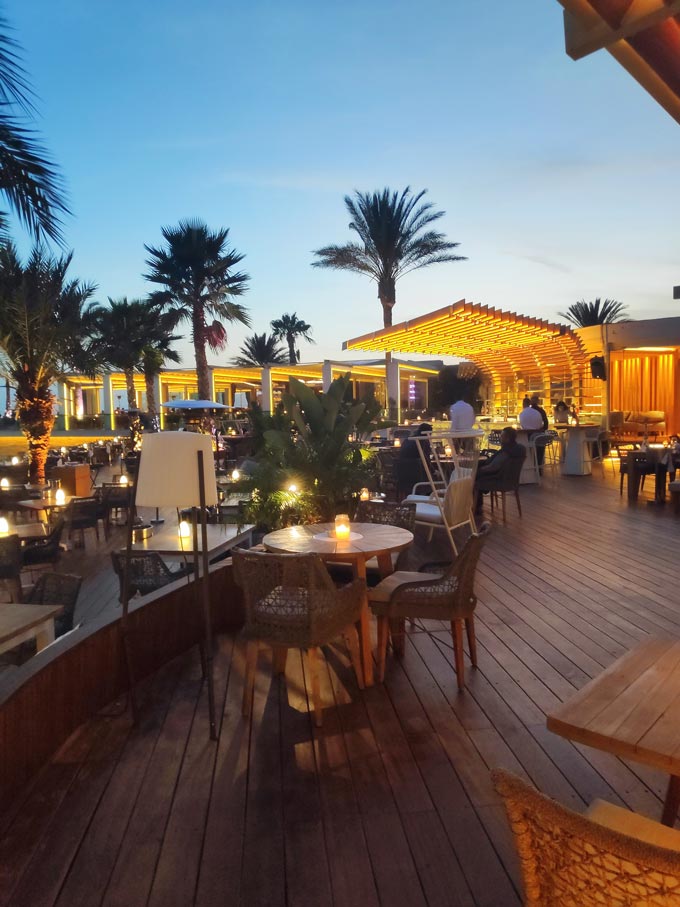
[393,387]
[326,375]
[267,391]
[158,391]
[67,406]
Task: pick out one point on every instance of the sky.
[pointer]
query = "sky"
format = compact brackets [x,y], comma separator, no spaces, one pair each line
[558,178]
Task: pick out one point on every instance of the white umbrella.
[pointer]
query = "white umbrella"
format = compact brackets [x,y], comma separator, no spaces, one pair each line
[195,404]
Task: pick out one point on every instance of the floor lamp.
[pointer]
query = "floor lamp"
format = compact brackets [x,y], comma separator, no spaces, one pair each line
[176,469]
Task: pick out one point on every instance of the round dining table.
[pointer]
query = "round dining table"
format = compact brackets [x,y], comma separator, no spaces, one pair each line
[366,540]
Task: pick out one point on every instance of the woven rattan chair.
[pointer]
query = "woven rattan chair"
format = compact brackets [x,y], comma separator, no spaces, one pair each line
[504,482]
[292,602]
[57,589]
[46,550]
[148,572]
[446,596]
[82,514]
[10,565]
[609,858]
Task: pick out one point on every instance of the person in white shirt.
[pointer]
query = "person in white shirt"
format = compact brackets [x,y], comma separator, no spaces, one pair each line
[462,416]
[530,419]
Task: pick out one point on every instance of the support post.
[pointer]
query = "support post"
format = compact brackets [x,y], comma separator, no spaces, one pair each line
[326,375]
[393,389]
[267,391]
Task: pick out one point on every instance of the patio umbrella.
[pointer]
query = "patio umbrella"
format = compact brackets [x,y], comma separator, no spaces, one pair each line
[195,404]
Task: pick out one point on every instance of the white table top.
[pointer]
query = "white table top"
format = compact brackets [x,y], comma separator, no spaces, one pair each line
[166,540]
[376,538]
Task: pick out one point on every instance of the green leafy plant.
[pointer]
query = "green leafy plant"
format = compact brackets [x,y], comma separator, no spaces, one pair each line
[310,462]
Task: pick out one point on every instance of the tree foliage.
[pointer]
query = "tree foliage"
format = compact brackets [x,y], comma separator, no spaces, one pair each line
[585,314]
[394,238]
[260,350]
[289,328]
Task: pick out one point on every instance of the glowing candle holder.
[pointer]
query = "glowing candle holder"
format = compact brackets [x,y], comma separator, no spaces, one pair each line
[364,495]
[4,483]
[123,480]
[235,475]
[448,450]
[342,529]
[184,530]
[15,461]
[397,442]
[60,497]
[4,526]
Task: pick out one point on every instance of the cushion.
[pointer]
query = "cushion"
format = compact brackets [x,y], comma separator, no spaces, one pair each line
[383,591]
[428,513]
[635,826]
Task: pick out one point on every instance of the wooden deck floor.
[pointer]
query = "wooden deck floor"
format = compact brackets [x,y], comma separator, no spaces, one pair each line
[390,802]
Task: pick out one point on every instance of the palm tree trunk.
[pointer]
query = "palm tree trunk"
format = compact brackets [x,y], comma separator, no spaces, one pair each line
[202,370]
[151,402]
[130,384]
[292,356]
[35,409]
[387,295]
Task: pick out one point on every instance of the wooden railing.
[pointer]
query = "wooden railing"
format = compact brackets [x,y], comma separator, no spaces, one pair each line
[46,699]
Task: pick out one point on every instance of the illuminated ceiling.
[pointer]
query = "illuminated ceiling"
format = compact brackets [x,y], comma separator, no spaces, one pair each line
[643,35]
[502,343]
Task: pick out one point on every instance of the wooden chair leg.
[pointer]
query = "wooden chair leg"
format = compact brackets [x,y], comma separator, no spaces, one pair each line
[503,503]
[249,682]
[352,643]
[519,506]
[397,633]
[472,639]
[280,655]
[313,662]
[383,633]
[457,634]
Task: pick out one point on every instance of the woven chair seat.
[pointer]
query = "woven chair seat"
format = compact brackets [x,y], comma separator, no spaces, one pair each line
[383,591]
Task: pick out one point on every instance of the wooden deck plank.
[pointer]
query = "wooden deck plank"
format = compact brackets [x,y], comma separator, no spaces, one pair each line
[391,800]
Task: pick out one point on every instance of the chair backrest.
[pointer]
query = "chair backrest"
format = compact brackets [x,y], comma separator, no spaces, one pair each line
[494,439]
[388,513]
[10,556]
[296,588]
[147,569]
[568,859]
[456,587]
[458,497]
[54,535]
[83,508]
[57,589]
[114,495]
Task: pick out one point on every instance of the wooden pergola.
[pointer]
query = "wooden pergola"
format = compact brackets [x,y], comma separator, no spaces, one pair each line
[643,35]
[517,353]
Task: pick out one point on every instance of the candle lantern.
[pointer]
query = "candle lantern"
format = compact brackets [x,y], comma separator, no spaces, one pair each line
[4,483]
[342,529]
[365,495]
[60,497]
[4,526]
[184,529]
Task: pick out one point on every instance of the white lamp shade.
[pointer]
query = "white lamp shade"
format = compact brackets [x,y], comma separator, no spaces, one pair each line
[168,470]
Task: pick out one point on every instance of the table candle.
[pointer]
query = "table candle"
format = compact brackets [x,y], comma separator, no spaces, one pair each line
[397,442]
[4,483]
[365,495]
[184,529]
[342,526]
[60,496]
[4,526]
[123,480]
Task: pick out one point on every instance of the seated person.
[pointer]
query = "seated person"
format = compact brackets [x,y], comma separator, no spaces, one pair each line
[497,467]
[410,469]
[561,413]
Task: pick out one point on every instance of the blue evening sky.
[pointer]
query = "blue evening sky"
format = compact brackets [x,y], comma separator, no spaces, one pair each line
[559,179]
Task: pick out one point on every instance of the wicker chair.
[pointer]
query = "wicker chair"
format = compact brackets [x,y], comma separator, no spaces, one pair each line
[57,589]
[82,514]
[609,858]
[46,550]
[446,596]
[291,602]
[113,498]
[148,572]
[10,565]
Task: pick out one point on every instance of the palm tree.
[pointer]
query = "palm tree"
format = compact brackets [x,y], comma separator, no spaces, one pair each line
[45,331]
[157,351]
[196,270]
[28,179]
[393,241]
[130,331]
[261,350]
[585,314]
[288,328]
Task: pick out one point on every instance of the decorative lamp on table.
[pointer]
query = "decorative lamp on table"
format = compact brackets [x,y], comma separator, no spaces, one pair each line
[176,470]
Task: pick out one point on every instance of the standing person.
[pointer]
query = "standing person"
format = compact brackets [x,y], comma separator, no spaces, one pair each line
[526,402]
[561,413]
[535,404]
[462,416]
[530,419]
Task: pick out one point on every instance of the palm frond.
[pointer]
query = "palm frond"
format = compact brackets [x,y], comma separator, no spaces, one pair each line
[586,314]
